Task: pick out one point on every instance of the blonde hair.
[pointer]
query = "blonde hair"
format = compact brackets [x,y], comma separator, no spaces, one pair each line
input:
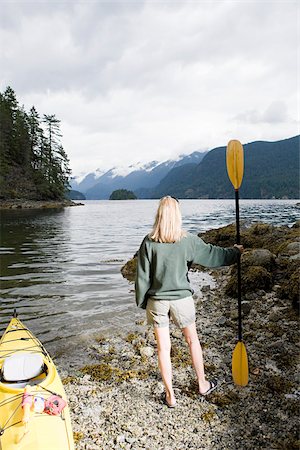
[168,221]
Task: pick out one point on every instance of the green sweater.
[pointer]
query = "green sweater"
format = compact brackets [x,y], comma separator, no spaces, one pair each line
[162,269]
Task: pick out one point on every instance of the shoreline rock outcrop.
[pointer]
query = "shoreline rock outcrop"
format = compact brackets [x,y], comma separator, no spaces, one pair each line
[36,204]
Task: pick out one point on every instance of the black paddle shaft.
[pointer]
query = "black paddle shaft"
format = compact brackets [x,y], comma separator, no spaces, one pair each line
[237,216]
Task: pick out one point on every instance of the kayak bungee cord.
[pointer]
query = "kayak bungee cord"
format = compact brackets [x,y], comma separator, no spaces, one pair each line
[13,351]
[10,417]
[31,337]
[11,399]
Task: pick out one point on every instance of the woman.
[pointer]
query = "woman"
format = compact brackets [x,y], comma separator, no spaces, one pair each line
[162,287]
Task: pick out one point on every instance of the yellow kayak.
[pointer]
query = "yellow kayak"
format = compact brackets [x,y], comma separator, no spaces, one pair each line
[34,413]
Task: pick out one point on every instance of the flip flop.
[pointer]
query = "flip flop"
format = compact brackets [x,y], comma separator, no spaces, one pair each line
[169,405]
[213,386]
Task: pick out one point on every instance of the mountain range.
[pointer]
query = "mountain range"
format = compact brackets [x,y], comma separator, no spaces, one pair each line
[271,170]
[139,177]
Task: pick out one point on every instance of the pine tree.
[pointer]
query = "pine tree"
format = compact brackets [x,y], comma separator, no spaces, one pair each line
[33,162]
[35,135]
[58,172]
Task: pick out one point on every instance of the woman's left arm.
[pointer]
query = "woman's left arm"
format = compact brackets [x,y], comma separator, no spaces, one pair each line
[209,255]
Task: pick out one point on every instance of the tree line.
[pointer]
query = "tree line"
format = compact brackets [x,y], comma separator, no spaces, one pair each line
[33,163]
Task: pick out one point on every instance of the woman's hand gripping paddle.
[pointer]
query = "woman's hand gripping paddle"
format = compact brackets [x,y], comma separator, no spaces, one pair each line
[235,169]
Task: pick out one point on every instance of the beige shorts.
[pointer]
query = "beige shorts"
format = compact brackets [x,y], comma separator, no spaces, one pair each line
[181,311]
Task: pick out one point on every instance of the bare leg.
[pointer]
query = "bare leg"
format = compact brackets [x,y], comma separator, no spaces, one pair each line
[191,336]
[162,336]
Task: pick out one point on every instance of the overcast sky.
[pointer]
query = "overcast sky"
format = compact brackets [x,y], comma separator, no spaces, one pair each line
[142,80]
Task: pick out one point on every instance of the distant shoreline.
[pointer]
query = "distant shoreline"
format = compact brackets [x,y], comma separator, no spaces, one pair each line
[36,204]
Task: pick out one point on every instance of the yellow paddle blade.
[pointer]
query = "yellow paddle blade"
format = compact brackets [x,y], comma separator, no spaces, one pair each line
[235,162]
[240,365]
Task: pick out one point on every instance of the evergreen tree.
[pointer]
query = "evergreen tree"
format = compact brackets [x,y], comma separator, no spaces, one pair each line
[33,163]
[8,108]
[35,135]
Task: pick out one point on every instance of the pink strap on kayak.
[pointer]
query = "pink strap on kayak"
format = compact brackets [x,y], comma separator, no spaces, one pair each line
[27,399]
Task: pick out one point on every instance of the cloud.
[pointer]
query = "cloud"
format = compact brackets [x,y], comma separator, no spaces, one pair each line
[275,113]
[136,81]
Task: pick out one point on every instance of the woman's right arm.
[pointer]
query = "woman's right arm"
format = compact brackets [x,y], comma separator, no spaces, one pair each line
[143,277]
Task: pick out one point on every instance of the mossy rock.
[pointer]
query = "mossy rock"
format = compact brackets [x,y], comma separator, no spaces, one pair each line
[131,337]
[278,384]
[77,435]
[223,237]
[223,400]
[98,372]
[259,257]
[68,380]
[129,269]
[106,372]
[253,278]
[258,235]
[290,287]
[180,356]
[208,416]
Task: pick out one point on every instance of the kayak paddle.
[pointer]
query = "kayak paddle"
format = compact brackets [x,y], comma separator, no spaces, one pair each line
[235,169]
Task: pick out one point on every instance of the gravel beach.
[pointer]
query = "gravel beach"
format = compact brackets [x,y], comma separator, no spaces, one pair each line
[116,403]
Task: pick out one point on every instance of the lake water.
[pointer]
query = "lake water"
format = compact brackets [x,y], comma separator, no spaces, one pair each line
[61,268]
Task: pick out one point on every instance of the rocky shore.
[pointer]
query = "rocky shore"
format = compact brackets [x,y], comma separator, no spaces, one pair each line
[116,403]
[36,204]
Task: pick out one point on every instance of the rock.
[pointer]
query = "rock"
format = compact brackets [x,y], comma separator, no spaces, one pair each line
[120,438]
[129,269]
[290,286]
[222,320]
[291,396]
[289,249]
[234,314]
[293,247]
[147,351]
[270,365]
[295,257]
[277,313]
[259,257]
[251,296]
[276,287]
[205,288]
[158,389]
[177,334]
[246,307]
[254,278]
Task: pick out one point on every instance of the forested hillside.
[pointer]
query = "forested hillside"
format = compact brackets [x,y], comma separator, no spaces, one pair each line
[271,170]
[33,163]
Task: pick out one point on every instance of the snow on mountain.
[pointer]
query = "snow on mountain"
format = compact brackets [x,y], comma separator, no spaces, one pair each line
[123,171]
[99,184]
[87,179]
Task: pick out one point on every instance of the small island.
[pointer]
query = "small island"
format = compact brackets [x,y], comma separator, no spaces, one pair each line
[122,194]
